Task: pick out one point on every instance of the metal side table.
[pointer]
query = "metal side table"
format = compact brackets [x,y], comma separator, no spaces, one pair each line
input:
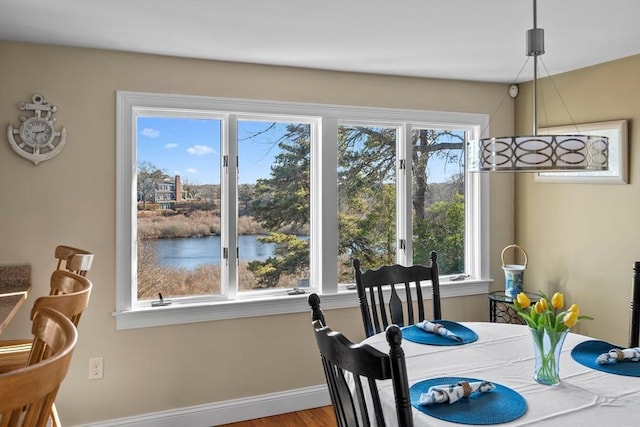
[501,312]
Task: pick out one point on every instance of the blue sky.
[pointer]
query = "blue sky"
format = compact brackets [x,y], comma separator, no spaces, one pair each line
[191,148]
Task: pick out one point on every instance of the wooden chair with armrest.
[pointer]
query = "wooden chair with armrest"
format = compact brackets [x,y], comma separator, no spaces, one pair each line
[71,299]
[28,393]
[372,285]
[343,359]
[73,259]
[634,338]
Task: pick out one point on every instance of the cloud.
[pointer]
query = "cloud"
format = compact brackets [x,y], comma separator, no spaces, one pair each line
[150,133]
[171,145]
[200,150]
[191,171]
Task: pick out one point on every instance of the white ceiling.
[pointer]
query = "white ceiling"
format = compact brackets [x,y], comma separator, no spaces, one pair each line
[481,40]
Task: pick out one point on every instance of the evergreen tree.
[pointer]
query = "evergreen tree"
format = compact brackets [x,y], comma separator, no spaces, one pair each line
[282,203]
[367,201]
[442,230]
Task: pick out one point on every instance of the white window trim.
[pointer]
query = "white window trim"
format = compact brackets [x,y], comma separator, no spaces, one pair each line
[275,305]
[323,212]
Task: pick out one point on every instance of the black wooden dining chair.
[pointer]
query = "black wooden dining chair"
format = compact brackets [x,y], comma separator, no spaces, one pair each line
[351,371]
[372,286]
[316,312]
[634,338]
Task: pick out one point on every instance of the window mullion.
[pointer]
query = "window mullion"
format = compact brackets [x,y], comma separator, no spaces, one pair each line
[324,208]
[477,218]
[229,208]
[404,196]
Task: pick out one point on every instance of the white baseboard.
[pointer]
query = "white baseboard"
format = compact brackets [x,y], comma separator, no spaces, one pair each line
[230,411]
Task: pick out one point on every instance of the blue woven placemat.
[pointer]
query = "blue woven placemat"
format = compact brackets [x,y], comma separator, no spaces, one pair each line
[415,334]
[493,407]
[586,353]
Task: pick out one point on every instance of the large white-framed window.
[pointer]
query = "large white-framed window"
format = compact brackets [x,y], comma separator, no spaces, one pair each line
[322,128]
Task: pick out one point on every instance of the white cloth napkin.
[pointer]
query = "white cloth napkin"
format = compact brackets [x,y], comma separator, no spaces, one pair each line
[615,355]
[453,392]
[437,328]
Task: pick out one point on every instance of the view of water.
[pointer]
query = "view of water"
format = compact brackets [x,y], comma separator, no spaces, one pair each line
[191,252]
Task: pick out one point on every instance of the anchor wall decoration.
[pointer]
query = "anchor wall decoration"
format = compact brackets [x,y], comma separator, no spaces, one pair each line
[36,139]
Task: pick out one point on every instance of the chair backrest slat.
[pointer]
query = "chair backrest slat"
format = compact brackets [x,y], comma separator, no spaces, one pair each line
[374,309]
[349,408]
[419,298]
[372,285]
[408,297]
[395,307]
[375,400]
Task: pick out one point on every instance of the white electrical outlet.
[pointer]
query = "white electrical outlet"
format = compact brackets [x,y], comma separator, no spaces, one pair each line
[96,368]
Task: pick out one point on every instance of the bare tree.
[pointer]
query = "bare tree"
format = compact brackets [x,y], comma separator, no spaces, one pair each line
[192,190]
[430,143]
[148,174]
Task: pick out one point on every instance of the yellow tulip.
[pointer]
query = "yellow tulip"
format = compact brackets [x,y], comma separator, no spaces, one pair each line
[538,308]
[574,308]
[557,300]
[570,318]
[523,300]
[544,304]
[541,306]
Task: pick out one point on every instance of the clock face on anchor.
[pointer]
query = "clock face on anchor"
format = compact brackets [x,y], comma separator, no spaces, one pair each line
[37,133]
[36,139]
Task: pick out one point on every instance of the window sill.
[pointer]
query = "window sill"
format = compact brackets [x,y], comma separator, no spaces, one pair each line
[177,314]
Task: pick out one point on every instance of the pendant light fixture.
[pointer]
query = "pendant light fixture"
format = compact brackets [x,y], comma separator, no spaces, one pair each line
[534,153]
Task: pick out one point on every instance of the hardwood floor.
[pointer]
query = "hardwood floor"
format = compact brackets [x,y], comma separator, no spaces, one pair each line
[316,417]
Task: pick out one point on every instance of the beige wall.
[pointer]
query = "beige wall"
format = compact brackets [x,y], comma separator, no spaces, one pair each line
[582,239]
[71,199]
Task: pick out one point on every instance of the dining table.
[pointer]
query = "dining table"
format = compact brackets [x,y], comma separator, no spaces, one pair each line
[15,284]
[503,354]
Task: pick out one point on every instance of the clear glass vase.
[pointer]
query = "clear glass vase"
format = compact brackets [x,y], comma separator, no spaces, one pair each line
[547,346]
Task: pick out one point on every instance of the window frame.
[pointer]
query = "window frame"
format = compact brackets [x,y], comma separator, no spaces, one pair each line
[324,239]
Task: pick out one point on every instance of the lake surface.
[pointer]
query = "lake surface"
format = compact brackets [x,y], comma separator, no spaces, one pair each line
[190,252]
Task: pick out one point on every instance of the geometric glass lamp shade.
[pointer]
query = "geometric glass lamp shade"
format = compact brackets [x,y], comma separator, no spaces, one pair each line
[539,153]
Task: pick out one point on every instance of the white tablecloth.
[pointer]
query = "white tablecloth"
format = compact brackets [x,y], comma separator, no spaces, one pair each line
[503,354]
